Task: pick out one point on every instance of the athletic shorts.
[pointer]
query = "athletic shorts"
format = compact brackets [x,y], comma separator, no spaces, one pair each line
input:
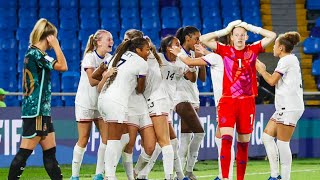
[140,121]
[112,111]
[287,117]
[84,114]
[158,107]
[38,126]
[238,111]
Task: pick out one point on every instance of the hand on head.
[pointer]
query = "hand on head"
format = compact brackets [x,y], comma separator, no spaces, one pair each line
[53,41]
[200,49]
[175,50]
[232,24]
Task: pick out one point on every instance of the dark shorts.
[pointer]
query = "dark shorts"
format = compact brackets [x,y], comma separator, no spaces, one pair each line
[38,126]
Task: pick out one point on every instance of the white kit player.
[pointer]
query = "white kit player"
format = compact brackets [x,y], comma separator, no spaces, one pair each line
[97,50]
[288,103]
[130,62]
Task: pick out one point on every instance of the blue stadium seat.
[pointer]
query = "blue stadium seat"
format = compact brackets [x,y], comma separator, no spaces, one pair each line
[250,3]
[111,24]
[68,13]
[48,13]
[55,82]
[167,3]
[27,23]
[5,34]
[8,44]
[311,45]
[189,3]
[70,81]
[73,58]
[68,3]
[211,12]
[313,5]
[315,32]
[23,34]
[129,12]
[149,13]
[89,13]
[48,4]
[190,12]
[89,4]
[192,21]
[168,31]
[227,5]
[70,44]
[131,23]
[20,63]
[110,4]
[151,23]
[69,23]
[90,23]
[28,3]
[248,12]
[227,20]
[8,22]
[316,67]
[151,33]
[109,13]
[129,4]
[149,3]
[235,13]
[256,20]
[171,22]
[56,101]
[211,24]
[67,34]
[210,3]
[9,4]
[85,33]
[12,101]
[318,22]
[170,12]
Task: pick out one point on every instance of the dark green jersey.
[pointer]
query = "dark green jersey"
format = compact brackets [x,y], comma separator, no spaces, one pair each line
[36,83]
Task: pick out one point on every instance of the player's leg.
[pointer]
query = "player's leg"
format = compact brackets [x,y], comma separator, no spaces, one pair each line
[161,127]
[268,139]
[103,130]
[116,141]
[175,145]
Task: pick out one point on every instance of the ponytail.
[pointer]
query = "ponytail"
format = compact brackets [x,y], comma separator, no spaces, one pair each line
[90,45]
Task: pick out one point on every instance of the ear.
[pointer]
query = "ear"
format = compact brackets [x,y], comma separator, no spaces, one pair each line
[138,50]
[247,37]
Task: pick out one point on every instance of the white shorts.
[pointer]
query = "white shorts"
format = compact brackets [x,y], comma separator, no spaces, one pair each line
[112,111]
[84,114]
[158,107]
[140,121]
[287,117]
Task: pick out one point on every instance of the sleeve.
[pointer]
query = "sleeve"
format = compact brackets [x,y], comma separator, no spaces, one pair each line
[45,61]
[220,48]
[88,62]
[257,47]
[282,67]
[212,59]
[143,69]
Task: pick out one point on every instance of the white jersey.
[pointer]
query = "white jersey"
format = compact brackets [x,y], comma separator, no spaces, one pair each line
[87,96]
[289,92]
[217,68]
[130,67]
[154,87]
[187,91]
[172,72]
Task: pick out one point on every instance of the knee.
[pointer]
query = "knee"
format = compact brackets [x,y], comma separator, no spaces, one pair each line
[266,137]
[83,140]
[149,149]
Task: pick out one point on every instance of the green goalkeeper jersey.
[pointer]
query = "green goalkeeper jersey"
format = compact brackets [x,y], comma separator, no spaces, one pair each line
[36,83]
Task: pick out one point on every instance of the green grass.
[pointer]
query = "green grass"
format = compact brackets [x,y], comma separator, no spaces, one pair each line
[302,169]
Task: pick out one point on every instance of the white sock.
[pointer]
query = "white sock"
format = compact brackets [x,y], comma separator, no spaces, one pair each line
[78,153]
[176,162]
[142,161]
[128,165]
[185,139]
[111,158]
[285,158]
[143,174]
[272,153]
[218,143]
[194,151]
[168,156]
[100,158]
[124,140]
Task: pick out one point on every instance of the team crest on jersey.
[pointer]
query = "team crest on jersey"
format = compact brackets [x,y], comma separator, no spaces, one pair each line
[48,58]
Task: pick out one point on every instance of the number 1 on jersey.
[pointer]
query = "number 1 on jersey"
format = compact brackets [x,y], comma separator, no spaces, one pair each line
[239,61]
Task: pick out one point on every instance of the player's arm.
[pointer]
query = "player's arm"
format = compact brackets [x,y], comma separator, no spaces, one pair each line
[186,59]
[97,73]
[61,63]
[269,36]
[201,51]
[191,75]
[93,82]
[271,79]
[141,84]
[105,77]
[209,39]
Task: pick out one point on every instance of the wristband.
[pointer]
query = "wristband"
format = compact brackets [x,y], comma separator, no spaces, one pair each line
[180,55]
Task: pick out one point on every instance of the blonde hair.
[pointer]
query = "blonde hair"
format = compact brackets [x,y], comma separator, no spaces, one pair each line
[41,30]
[92,41]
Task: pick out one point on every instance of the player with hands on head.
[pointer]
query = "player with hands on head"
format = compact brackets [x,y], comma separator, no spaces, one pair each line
[237,104]
[288,103]
[37,125]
